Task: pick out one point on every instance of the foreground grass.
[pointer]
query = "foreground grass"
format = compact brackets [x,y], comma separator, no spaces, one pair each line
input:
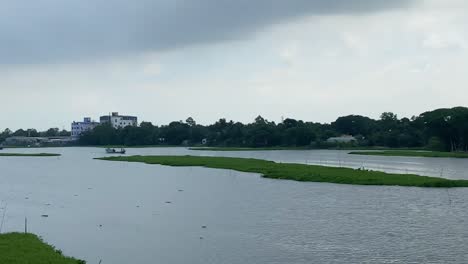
[29,155]
[16,248]
[409,153]
[297,172]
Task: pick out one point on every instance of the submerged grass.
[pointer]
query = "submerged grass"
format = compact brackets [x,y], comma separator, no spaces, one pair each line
[29,155]
[297,172]
[410,153]
[18,248]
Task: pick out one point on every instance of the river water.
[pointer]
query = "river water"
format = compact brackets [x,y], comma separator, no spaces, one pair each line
[124,213]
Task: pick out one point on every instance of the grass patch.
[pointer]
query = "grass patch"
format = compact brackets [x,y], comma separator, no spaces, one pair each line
[247,149]
[29,155]
[375,148]
[297,172]
[409,153]
[137,146]
[296,148]
[18,248]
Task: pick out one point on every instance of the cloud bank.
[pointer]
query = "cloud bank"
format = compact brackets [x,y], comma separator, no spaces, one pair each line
[62,31]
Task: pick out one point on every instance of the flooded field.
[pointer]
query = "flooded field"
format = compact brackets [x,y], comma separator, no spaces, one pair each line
[136,213]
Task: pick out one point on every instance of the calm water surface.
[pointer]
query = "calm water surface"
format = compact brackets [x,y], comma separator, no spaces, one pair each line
[124,213]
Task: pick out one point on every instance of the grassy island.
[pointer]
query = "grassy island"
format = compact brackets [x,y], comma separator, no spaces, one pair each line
[29,155]
[412,153]
[246,149]
[297,172]
[18,248]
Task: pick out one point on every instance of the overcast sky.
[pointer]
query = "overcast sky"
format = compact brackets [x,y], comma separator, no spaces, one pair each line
[165,60]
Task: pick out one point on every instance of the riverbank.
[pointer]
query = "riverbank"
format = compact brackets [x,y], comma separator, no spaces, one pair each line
[297,172]
[409,153]
[29,155]
[19,248]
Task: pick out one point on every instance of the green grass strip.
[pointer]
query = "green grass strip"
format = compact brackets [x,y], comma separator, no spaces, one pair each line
[16,248]
[29,155]
[136,146]
[408,153]
[246,149]
[297,172]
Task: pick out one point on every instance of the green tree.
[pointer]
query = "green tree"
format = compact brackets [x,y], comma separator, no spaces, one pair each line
[354,125]
[51,132]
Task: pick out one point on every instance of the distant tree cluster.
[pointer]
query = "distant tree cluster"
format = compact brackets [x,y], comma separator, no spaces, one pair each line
[441,129]
[51,132]
[260,133]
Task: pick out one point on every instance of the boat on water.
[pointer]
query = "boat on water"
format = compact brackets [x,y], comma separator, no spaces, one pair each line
[114,151]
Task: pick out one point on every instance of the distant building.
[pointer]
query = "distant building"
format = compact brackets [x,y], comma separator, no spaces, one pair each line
[77,128]
[342,139]
[119,121]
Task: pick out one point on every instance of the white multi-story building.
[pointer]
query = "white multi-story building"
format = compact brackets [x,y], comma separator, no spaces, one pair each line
[77,128]
[119,121]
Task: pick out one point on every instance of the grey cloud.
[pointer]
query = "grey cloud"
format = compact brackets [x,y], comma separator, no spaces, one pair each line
[48,31]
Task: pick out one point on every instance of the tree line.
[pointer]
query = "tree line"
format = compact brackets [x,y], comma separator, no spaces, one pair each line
[442,129]
[31,132]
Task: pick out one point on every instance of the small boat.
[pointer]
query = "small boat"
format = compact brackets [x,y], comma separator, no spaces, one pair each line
[114,151]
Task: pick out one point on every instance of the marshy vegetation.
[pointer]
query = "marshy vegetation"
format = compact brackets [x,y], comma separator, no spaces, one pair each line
[297,172]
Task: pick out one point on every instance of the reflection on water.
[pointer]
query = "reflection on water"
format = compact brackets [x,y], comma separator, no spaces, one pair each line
[138,213]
